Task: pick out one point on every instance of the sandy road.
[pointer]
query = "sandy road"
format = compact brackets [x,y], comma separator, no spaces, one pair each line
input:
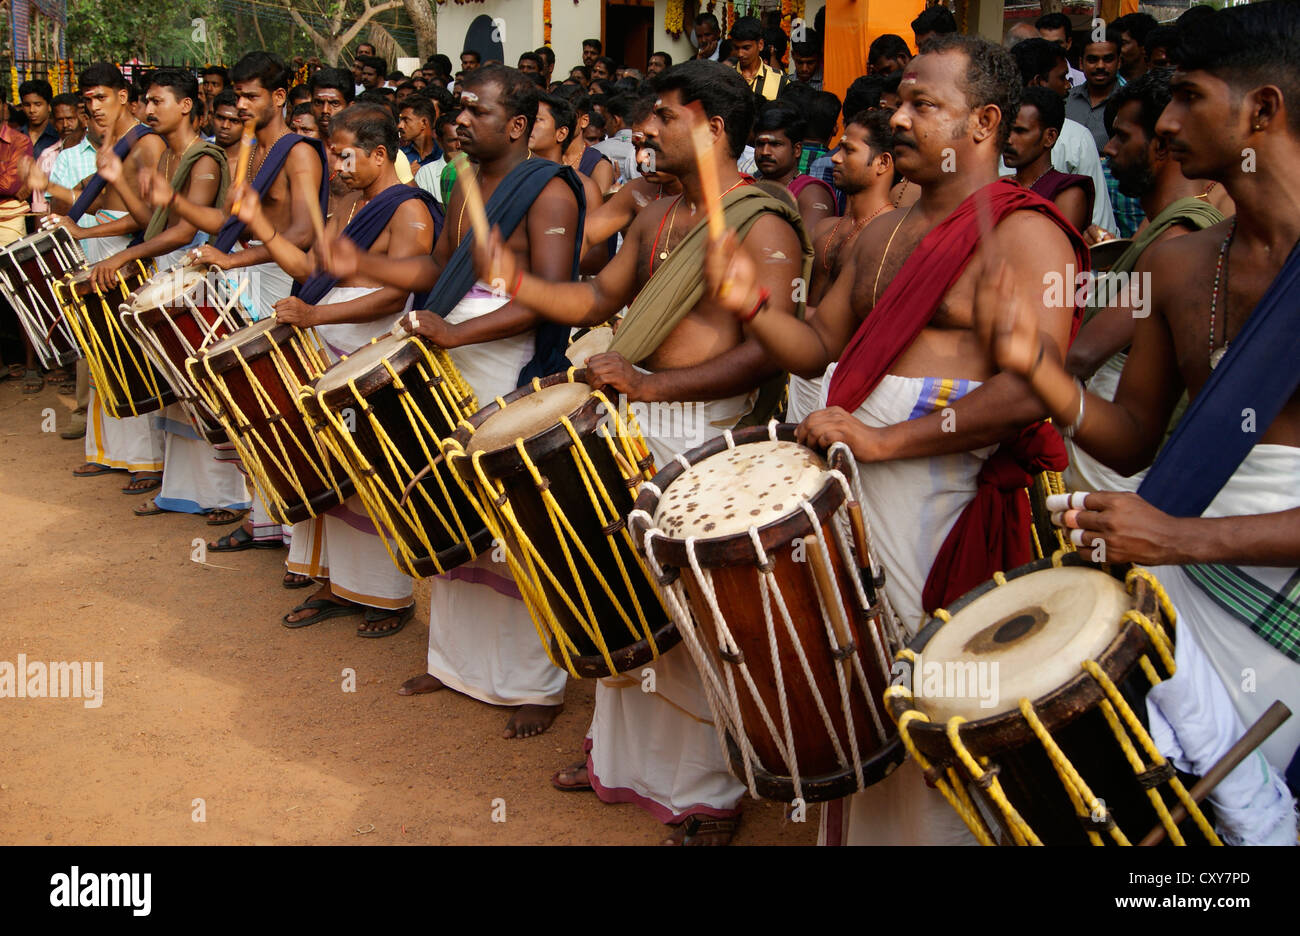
[207,698]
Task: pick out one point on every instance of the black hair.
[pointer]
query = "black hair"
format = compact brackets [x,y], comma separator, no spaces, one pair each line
[423,105]
[668,59]
[547,54]
[596,120]
[586,72]
[1162,37]
[533,57]
[379,65]
[721,92]
[611,66]
[620,106]
[263,67]
[335,79]
[626,86]
[180,82]
[991,75]
[365,43]
[781,115]
[810,46]
[101,75]
[775,40]
[216,70]
[299,110]
[935,19]
[797,93]
[1050,107]
[36,86]
[708,19]
[66,100]
[1036,58]
[880,135]
[892,81]
[375,97]
[1137,25]
[1151,91]
[226,98]
[1054,21]
[1195,13]
[823,113]
[863,94]
[1247,46]
[372,125]
[441,64]
[889,45]
[746,29]
[564,115]
[474,52]
[299,93]
[595,44]
[518,94]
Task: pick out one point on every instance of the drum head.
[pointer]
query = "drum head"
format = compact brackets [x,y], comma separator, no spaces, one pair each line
[595,341]
[749,485]
[245,334]
[1017,641]
[528,415]
[166,289]
[360,362]
[1106,253]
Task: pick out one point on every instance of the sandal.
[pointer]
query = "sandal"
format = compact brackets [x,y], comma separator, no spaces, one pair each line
[294,580]
[33,382]
[692,827]
[223,516]
[139,485]
[572,771]
[324,609]
[99,470]
[16,371]
[380,615]
[149,508]
[239,540]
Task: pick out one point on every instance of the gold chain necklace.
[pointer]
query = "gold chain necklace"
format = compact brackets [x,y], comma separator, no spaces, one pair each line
[889,243]
[254,170]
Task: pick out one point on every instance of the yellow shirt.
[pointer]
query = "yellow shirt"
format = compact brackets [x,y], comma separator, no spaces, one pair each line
[402,166]
[767,81]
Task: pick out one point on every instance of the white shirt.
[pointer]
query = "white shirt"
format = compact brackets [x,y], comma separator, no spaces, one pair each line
[619,150]
[1074,76]
[428,176]
[1076,153]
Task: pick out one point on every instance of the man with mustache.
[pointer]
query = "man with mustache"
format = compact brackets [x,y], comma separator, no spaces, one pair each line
[1216,517]
[1034,133]
[778,143]
[931,424]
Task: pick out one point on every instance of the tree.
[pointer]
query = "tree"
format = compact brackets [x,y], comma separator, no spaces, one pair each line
[335,37]
[425,24]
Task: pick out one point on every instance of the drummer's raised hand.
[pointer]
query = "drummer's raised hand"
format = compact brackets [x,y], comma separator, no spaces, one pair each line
[730,274]
[293,311]
[495,264]
[427,325]
[1006,329]
[342,259]
[245,203]
[52,221]
[108,165]
[611,371]
[37,179]
[155,188]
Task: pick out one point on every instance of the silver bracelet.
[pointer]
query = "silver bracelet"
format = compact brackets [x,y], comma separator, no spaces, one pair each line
[1072,428]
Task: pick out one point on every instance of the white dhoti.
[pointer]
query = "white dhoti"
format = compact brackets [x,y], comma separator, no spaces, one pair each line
[194,479]
[343,544]
[802,398]
[1253,670]
[482,640]
[659,749]
[911,505]
[131,443]
[1084,472]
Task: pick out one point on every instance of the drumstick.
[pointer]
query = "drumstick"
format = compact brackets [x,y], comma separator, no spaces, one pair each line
[707,164]
[472,196]
[423,473]
[822,576]
[1268,723]
[241,161]
[859,534]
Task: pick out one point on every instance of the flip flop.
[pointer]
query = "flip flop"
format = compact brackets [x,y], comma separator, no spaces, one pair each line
[99,470]
[33,382]
[324,609]
[222,516]
[148,509]
[306,580]
[240,540]
[379,615]
[570,787]
[149,484]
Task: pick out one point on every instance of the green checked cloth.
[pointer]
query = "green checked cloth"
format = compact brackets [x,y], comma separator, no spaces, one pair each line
[1272,613]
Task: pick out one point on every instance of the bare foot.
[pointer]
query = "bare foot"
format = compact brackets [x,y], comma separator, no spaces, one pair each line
[419,685]
[703,830]
[572,779]
[529,720]
[321,605]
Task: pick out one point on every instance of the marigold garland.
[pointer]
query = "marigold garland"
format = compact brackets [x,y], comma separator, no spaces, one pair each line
[546,22]
[675,17]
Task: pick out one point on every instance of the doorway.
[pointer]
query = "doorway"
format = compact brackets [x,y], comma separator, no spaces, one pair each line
[629,30]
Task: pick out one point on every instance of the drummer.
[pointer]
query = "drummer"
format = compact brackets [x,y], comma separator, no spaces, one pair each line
[131,443]
[495,345]
[341,550]
[912,394]
[194,480]
[644,748]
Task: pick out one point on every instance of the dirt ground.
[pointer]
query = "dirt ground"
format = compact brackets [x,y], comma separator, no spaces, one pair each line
[208,698]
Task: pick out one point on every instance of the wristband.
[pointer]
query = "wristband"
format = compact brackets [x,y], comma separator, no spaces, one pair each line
[1042,348]
[519,281]
[764,295]
[1072,428]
